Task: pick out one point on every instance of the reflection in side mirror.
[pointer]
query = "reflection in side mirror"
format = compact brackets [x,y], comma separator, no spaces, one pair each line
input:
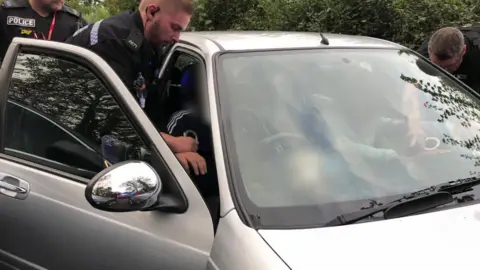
[124,187]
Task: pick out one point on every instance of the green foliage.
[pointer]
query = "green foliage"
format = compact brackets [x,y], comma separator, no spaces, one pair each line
[419,18]
[96,13]
[117,6]
[94,10]
[403,21]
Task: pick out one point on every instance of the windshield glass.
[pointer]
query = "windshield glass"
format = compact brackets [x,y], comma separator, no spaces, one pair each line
[311,134]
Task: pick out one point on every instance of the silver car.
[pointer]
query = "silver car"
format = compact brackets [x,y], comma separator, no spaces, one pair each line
[329,151]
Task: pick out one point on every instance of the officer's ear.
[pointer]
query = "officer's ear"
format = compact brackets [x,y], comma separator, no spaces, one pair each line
[151,11]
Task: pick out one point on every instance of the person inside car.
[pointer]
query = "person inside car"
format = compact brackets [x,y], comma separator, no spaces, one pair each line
[188,122]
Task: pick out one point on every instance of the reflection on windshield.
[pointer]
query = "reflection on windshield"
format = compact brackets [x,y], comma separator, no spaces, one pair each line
[312,128]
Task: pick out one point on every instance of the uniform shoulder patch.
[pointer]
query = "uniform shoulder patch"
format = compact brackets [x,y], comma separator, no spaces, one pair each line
[14,4]
[70,10]
[134,40]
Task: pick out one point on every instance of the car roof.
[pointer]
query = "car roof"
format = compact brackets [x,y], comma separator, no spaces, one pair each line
[256,40]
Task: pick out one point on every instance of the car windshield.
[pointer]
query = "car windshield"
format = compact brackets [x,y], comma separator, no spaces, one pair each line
[312,134]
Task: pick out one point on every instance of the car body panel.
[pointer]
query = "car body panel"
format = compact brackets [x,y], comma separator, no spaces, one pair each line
[438,240]
[257,40]
[238,247]
[56,215]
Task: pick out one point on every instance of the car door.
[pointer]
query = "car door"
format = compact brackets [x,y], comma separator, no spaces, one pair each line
[45,220]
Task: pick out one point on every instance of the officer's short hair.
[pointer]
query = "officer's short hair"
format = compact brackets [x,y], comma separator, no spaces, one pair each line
[183,5]
[446,43]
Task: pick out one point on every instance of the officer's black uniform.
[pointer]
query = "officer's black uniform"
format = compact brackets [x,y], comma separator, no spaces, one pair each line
[469,70]
[120,41]
[18,19]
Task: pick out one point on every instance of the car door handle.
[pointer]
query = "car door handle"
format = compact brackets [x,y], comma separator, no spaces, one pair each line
[13,188]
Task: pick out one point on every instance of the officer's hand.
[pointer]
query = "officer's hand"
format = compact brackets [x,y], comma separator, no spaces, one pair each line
[183,144]
[191,160]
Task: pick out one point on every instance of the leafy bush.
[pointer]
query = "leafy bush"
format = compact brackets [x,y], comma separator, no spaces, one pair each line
[420,18]
[402,21]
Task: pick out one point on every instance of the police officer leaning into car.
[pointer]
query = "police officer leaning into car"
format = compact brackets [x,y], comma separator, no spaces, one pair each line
[40,19]
[457,50]
[131,44]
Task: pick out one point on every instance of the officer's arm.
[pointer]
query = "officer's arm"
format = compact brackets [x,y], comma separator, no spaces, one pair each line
[116,55]
[112,50]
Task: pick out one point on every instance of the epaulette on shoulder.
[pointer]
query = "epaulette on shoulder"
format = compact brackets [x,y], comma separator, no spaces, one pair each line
[14,4]
[70,10]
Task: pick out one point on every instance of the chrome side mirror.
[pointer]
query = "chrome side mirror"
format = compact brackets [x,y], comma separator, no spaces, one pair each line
[124,187]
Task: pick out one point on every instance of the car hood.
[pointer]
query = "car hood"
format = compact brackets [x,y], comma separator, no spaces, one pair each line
[440,240]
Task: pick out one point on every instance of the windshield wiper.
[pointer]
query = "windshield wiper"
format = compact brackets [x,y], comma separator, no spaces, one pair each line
[412,203]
